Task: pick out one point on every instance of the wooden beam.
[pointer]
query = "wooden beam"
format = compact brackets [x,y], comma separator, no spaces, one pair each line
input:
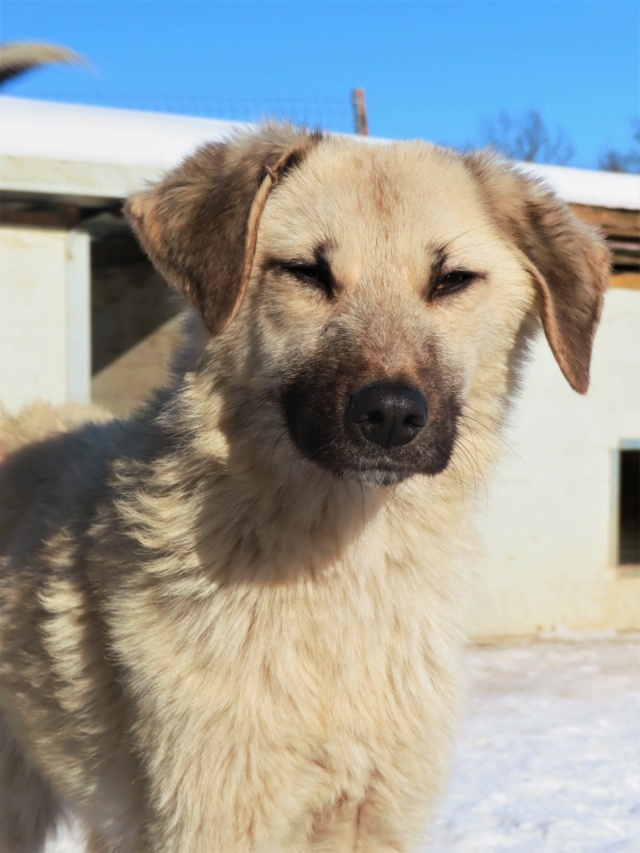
[361,126]
[64,216]
[627,280]
[614,223]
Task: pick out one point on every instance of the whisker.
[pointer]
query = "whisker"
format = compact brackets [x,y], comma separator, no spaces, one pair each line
[458,476]
[496,435]
[490,459]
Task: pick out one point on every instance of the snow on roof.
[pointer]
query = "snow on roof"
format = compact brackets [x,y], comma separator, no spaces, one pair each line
[585,186]
[74,132]
[108,152]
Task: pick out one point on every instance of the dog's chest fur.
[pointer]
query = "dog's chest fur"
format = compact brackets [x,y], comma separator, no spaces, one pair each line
[332,649]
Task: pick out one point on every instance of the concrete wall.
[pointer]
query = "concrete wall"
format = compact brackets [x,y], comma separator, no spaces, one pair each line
[44,316]
[550,519]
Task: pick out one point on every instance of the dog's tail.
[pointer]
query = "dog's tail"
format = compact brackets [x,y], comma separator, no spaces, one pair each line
[19,57]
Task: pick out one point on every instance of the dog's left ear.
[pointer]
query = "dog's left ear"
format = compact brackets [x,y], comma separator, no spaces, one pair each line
[199,226]
[568,260]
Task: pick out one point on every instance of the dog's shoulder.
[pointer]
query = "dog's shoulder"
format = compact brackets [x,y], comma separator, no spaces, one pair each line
[49,457]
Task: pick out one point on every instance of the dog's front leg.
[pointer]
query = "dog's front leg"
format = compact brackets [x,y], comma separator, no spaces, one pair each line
[365,826]
[229,792]
[389,819]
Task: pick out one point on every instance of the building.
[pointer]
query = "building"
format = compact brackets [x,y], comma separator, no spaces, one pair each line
[83,317]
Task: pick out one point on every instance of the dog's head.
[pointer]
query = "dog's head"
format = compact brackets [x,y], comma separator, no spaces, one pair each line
[380,291]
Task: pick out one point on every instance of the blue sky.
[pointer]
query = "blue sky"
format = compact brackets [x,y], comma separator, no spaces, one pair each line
[436,69]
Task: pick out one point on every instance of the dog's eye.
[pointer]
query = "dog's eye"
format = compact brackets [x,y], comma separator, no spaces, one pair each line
[454,281]
[316,275]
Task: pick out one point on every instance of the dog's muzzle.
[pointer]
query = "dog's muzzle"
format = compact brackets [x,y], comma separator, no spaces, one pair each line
[379,431]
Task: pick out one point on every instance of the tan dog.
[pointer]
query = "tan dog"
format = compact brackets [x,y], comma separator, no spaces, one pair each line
[224,625]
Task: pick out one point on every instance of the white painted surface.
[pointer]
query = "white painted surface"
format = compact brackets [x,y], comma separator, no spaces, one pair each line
[548,525]
[84,182]
[75,134]
[44,316]
[78,315]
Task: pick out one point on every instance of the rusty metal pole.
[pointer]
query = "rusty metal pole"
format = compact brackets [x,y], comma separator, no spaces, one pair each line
[359,112]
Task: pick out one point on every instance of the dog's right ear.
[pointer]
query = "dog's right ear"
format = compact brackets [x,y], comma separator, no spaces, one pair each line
[199,226]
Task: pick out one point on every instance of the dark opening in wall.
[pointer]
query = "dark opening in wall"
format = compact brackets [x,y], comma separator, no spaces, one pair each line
[629,504]
[134,323]
[129,299]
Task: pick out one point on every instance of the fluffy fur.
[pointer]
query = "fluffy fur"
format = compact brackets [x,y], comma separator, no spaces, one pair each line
[227,625]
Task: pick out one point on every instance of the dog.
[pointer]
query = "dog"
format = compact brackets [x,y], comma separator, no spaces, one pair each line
[233,621]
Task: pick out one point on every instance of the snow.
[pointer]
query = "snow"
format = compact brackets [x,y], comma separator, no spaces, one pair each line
[584,186]
[74,132]
[548,755]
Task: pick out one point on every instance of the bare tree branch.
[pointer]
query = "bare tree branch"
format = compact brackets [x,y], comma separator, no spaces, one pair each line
[528,139]
[624,161]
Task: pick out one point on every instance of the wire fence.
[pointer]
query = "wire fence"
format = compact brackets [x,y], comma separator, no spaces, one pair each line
[322,113]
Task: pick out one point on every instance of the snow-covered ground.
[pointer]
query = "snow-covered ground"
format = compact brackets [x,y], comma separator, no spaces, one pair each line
[548,757]
[549,754]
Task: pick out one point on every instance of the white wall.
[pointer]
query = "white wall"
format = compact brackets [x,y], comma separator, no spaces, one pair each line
[549,527]
[44,316]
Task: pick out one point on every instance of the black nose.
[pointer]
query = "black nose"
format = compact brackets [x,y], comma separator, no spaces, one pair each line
[388,414]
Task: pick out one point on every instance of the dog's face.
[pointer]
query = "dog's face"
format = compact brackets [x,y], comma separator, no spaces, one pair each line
[395,280]
[386,286]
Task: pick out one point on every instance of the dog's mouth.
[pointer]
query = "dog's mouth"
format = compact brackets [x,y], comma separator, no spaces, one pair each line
[387,471]
[374,477]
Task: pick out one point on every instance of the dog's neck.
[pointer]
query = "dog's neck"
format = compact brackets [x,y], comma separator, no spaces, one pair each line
[266,511]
